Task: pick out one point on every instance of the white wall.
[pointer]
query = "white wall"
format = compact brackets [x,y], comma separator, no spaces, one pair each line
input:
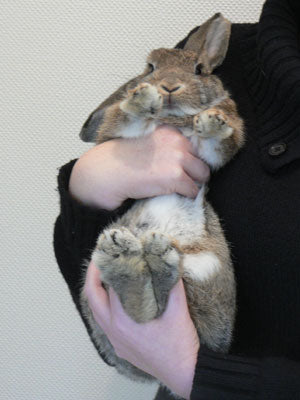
[58,60]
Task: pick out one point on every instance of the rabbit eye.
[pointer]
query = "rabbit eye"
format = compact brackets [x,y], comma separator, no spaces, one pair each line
[198,69]
[151,67]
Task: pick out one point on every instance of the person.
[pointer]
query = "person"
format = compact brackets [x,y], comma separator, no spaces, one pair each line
[257,199]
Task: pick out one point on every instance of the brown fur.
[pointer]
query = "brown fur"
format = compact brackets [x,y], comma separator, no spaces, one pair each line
[158,241]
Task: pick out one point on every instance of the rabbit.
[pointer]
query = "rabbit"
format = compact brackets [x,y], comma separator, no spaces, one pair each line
[162,239]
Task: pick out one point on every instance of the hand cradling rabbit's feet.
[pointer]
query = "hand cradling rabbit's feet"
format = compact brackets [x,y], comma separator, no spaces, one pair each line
[143,101]
[212,123]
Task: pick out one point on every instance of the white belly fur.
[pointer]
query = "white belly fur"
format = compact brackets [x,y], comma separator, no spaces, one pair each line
[184,218]
[201,266]
[174,212]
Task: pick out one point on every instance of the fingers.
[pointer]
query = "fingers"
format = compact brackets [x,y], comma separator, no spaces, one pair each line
[185,168]
[197,169]
[97,296]
[116,306]
[185,186]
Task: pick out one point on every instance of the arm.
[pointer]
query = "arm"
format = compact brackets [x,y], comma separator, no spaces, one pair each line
[161,163]
[219,376]
[165,348]
[174,361]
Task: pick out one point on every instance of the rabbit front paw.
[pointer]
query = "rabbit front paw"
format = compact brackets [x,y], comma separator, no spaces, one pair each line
[212,123]
[143,101]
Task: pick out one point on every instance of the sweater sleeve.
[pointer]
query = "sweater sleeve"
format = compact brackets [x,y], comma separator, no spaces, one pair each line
[230,377]
[75,234]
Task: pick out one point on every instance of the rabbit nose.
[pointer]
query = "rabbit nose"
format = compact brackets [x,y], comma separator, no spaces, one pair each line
[169,89]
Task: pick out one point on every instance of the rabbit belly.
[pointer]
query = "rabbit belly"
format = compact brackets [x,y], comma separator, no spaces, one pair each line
[177,216]
[206,266]
[149,265]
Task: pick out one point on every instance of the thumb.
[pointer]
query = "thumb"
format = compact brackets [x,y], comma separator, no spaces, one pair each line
[117,309]
[177,302]
[96,295]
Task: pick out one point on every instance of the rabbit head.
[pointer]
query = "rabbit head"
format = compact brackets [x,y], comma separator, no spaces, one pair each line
[183,76]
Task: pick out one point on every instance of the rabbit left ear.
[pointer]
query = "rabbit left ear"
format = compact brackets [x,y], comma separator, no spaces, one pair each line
[211,42]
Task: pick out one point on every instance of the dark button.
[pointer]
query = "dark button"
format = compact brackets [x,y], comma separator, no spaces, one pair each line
[277,149]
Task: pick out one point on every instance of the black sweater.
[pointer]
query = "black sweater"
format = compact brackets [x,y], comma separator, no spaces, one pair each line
[257,197]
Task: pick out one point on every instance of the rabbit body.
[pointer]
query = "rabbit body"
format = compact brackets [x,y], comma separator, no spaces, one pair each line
[160,240]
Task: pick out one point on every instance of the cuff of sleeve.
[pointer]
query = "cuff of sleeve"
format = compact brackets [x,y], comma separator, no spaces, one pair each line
[223,376]
[82,223]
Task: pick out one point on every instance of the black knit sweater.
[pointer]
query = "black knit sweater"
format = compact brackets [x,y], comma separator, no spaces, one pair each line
[257,197]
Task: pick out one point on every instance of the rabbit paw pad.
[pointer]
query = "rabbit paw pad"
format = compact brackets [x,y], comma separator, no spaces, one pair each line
[212,123]
[115,242]
[143,100]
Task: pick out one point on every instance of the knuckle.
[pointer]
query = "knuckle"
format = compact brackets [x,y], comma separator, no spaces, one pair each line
[178,156]
[206,174]
[171,137]
[177,174]
[179,141]
[204,171]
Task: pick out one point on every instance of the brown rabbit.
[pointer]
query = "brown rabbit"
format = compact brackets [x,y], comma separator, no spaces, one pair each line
[160,240]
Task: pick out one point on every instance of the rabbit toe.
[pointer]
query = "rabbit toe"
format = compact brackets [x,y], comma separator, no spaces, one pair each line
[118,241]
[212,122]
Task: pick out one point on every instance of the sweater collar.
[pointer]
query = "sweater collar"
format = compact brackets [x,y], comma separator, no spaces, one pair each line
[272,66]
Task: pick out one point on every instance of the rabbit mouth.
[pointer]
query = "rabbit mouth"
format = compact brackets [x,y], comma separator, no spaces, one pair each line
[172,109]
[169,102]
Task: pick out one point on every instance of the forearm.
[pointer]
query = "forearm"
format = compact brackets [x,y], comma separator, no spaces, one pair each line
[81,222]
[75,233]
[230,377]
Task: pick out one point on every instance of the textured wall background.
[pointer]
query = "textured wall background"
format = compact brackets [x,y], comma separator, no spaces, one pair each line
[58,60]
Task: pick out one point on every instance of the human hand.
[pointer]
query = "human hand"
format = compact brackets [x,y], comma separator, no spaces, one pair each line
[160,163]
[165,348]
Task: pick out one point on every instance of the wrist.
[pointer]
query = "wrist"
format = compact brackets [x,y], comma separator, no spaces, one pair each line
[179,378]
[91,191]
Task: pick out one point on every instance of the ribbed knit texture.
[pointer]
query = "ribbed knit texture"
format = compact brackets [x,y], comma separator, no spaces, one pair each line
[269,320]
[274,80]
[82,224]
[228,376]
[75,234]
[257,197]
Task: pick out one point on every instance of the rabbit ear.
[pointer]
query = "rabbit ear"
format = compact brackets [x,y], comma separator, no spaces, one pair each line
[89,130]
[210,41]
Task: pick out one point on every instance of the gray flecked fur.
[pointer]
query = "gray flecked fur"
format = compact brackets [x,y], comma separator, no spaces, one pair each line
[160,240]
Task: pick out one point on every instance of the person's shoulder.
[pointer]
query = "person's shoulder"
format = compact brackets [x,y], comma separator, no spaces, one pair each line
[64,173]
[245,28]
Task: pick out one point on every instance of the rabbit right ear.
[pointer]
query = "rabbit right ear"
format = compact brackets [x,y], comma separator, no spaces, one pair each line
[89,130]
[211,42]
